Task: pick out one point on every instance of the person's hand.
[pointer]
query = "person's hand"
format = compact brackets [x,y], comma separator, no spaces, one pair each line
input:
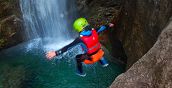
[111,25]
[50,55]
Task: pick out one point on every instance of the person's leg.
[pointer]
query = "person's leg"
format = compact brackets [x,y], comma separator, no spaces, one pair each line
[79,61]
[103,62]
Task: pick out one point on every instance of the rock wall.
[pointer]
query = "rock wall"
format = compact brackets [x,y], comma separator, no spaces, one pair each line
[140,25]
[10,23]
[98,12]
[153,70]
[102,12]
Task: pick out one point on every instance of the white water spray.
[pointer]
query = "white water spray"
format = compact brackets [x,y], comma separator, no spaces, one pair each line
[49,20]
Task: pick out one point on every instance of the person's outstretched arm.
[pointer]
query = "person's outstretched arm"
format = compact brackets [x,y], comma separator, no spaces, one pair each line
[52,54]
[104,27]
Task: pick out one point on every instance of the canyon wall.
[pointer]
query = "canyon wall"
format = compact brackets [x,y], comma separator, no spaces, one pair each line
[10,23]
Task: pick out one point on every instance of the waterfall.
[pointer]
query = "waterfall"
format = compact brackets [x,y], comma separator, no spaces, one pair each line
[49,20]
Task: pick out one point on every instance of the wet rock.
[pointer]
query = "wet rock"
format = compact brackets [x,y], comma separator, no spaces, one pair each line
[140,25]
[98,12]
[153,70]
[102,12]
[10,23]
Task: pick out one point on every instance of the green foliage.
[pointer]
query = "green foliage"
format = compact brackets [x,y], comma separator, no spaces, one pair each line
[2,41]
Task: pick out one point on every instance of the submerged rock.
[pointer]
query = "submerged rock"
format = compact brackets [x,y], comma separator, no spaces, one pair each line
[13,77]
[153,70]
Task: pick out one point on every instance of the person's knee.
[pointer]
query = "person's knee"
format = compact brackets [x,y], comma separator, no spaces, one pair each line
[79,58]
[82,57]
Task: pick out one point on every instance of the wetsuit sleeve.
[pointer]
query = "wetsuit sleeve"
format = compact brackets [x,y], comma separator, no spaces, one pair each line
[102,28]
[64,49]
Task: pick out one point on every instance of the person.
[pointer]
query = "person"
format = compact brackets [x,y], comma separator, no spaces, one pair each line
[90,44]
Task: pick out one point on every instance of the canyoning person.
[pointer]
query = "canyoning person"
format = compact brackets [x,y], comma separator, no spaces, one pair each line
[90,43]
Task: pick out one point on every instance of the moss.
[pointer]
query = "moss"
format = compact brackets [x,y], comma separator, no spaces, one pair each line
[2,43]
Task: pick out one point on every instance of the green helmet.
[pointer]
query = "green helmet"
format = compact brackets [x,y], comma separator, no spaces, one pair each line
[79,24]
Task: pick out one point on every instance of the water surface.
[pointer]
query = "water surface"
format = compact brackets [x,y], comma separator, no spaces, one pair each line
[21,67]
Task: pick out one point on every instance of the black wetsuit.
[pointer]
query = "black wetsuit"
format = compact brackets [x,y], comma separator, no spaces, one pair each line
[78,40]
[81,57]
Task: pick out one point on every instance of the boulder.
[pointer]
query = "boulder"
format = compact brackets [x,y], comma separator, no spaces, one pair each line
[153,70]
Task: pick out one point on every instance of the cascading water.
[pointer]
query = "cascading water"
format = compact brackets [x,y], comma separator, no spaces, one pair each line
[49,21]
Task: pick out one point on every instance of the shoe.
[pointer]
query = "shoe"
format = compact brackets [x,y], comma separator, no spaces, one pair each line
[81,74]
[103,62]
[105,65]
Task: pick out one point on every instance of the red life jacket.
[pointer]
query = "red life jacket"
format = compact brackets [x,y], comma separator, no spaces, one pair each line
[92,42]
